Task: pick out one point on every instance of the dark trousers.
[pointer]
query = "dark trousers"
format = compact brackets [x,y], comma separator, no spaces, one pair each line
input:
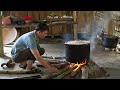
[27,55]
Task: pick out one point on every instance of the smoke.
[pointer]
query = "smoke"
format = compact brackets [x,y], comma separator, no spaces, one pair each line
[100,24]
[68,37]
[85,33]
[91,31]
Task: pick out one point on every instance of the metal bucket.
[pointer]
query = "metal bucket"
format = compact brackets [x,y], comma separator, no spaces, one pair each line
[109,41]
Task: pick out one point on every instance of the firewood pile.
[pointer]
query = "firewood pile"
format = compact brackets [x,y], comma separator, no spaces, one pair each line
[77,71]
[66,71]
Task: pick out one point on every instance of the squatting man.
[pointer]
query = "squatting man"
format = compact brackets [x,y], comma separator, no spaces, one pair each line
[26,48]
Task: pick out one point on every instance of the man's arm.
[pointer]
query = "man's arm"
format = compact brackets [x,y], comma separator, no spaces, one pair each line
[42,61]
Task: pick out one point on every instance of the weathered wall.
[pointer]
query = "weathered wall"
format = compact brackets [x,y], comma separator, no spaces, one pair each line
[84,19]
[88,19]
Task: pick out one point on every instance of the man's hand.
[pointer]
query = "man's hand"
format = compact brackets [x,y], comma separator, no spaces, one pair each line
[53,69]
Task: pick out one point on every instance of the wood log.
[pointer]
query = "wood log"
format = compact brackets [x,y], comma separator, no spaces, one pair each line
[62,75]
[75,71]
[75,74]
[15,71]
[30,77]
[34,70]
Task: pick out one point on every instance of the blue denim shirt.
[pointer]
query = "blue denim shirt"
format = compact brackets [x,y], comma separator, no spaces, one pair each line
[27,40]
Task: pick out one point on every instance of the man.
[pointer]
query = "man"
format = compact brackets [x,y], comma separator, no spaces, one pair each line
[26,49]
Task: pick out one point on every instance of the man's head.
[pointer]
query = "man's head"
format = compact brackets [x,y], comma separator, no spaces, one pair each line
[42,30]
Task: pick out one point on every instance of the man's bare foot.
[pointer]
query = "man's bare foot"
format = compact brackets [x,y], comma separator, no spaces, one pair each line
[23,65]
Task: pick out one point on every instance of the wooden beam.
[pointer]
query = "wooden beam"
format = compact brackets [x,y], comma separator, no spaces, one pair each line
[1,39]
[75,25]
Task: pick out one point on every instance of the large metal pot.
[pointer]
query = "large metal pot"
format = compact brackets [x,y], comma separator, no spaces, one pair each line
[77,51]
[109,41]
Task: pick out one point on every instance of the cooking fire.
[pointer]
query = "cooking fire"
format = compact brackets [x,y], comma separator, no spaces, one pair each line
[70,71]
[78,65]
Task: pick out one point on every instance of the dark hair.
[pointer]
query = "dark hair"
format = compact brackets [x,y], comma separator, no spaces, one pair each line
[41,27]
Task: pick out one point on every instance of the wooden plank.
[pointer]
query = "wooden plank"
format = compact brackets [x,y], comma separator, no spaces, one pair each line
[12,13]
[42,14]
[35,15]
[1,39]
[29,13]
[56,30]
[75,25]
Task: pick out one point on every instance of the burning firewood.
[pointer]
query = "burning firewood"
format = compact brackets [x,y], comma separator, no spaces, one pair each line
[52,76]
[75,71]
[62,75]
[70,71]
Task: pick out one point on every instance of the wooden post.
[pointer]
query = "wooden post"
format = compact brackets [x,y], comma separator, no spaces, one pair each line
[1,39]
[75,25]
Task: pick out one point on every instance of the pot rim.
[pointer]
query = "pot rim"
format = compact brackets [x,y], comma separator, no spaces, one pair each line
[109,36]
[77,42]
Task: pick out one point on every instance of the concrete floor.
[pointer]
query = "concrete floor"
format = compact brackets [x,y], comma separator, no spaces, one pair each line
[109,60]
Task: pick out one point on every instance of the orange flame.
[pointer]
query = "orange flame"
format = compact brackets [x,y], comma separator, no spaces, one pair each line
[79,65]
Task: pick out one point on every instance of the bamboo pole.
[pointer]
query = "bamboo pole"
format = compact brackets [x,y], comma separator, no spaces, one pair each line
[62,75]
[1,39]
